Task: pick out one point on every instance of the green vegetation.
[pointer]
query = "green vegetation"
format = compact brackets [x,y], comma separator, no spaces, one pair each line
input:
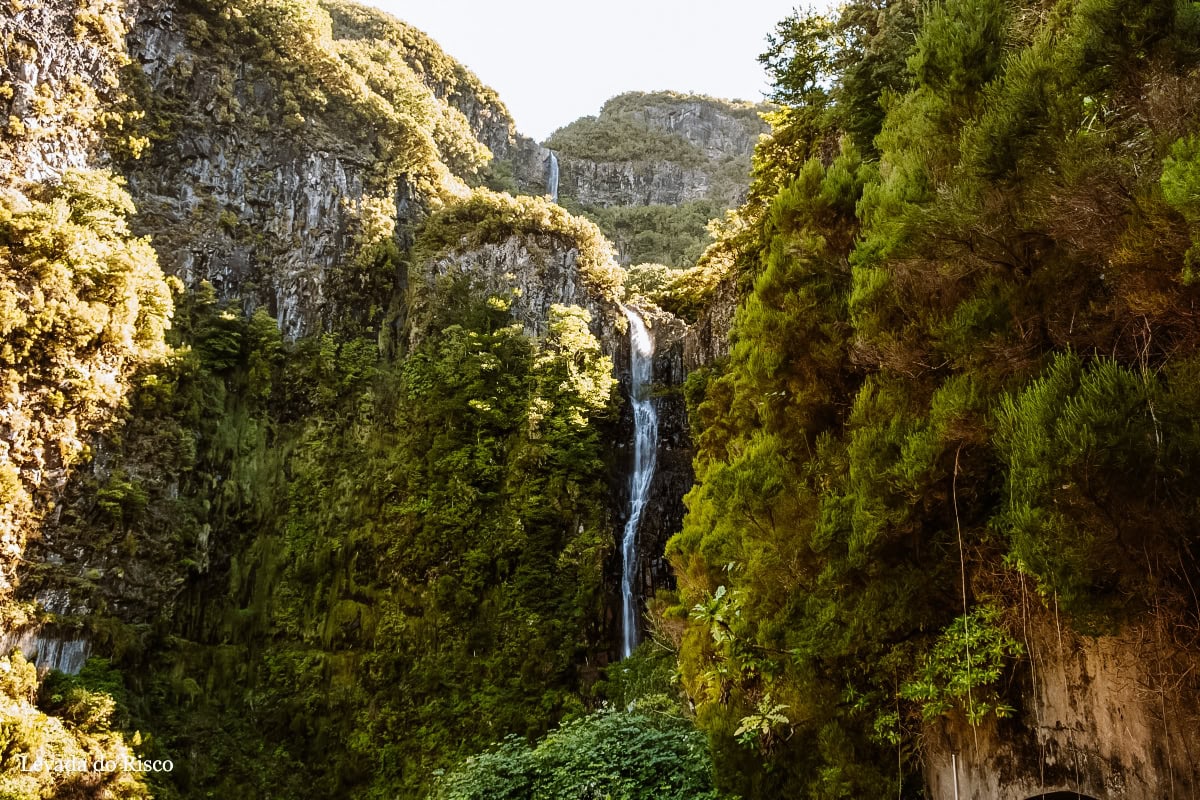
[964,667]
[446,76]
[962,379]
[59,736]
[658,234]
[640,747]
[316,569]
[648,280]
[83,304]
[60,111]
[371,548]
[962,388]
[625,131]
[1181,189]
[639,756]
[634,103]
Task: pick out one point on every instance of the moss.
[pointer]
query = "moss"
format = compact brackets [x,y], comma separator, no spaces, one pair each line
[75,327]
[51,747]
[621,133]
[488,217]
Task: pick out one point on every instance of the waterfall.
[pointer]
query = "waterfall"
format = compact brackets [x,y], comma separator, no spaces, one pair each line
[645,450]
[552,178]
[48,649]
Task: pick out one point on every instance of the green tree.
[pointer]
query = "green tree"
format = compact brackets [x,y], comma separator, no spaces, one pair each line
[610,754]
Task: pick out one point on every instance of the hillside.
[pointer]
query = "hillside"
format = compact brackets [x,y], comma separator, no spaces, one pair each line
[253,318]
[651,169]
[338,461]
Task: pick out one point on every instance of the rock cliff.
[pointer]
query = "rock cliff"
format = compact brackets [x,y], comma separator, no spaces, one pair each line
[653,168]
[661,148]
[61,97]
[270,190]
[1101,717]
[290,171]
[707,339]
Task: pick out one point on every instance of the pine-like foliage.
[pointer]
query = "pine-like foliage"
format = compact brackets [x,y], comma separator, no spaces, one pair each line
[962,366]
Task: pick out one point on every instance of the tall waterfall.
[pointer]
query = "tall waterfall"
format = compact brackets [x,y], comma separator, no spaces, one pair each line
[552,178]
[645,450]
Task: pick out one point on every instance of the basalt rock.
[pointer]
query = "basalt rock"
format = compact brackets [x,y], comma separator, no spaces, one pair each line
[1101,717]
[266,207]
[707,339]
[661,148]
[531,273]
[57,85]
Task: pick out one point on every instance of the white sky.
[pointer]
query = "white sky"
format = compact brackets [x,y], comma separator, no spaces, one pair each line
[553,61]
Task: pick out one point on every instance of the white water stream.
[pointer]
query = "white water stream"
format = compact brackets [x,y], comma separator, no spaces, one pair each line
[645,450]
[552,178]
[48,650]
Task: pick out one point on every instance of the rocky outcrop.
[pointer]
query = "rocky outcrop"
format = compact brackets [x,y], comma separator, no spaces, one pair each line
[1110,717]
[529,272]
[58,82]
[530,164]
[659,149]
[271,205]
[707,339]
[48,649]
[265,218]
[635,183]
[718,129]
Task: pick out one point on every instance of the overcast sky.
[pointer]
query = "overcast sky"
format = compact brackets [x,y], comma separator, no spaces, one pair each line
[553,61]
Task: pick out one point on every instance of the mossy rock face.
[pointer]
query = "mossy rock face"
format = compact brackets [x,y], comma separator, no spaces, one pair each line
[61,87]
[525,254]
[382,127]
[660,149]
[75,332]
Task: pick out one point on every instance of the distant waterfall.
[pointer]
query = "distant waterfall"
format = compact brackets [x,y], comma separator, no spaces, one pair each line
[49,649]
[645,450]
[552,178]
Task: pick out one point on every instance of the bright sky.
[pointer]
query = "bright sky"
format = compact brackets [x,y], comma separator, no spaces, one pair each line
[553,61]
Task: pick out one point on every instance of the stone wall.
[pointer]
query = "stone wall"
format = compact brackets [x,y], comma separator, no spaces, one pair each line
[1111,717]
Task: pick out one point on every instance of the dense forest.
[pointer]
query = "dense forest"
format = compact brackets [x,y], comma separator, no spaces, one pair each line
[960,395]
[315,414]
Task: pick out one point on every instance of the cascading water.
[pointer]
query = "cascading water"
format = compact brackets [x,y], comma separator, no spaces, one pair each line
[645,450]
[49,649]
[552,178]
